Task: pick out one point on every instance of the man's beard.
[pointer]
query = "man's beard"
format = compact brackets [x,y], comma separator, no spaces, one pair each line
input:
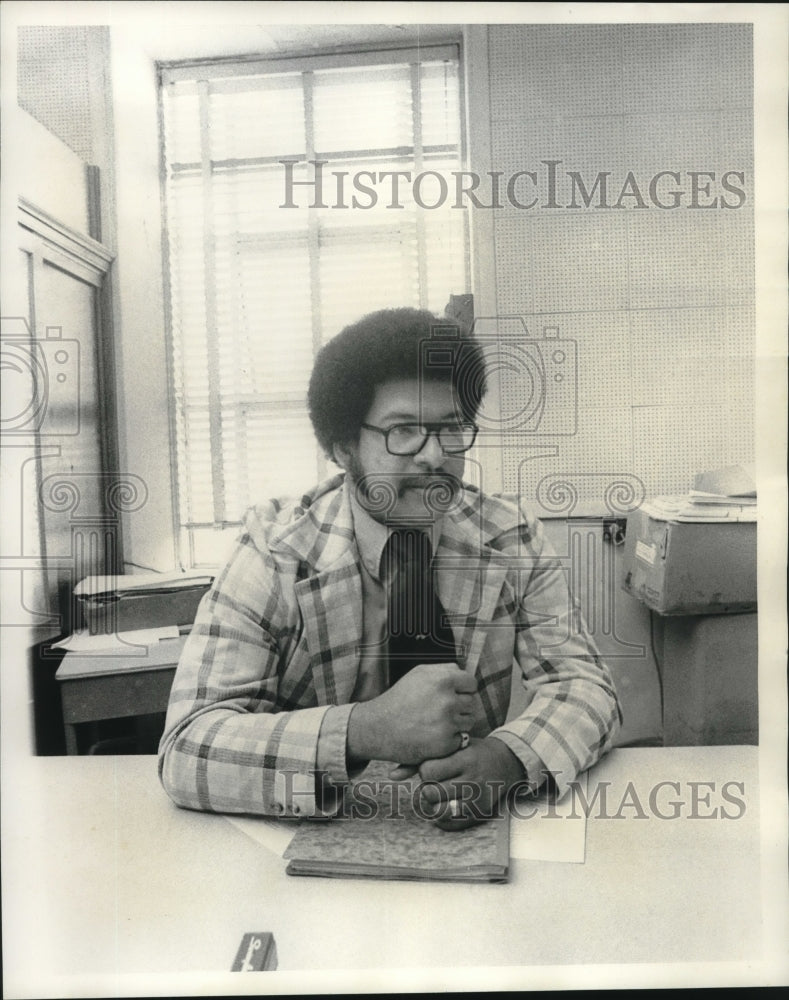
[378,493]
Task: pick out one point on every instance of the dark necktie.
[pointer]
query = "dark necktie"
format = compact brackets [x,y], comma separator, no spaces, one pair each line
[416,629]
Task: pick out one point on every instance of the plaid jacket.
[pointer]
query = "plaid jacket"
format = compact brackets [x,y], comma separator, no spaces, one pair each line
[275,646]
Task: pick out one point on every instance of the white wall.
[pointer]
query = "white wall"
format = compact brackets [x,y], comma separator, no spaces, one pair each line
[141,346]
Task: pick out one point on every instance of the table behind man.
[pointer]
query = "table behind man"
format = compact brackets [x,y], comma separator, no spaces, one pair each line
[283,689]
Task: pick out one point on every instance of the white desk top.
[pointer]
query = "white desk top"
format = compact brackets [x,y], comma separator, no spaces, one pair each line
[104,878]
[162,655]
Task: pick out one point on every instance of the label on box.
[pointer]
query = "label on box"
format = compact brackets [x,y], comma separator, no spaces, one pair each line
[646,553]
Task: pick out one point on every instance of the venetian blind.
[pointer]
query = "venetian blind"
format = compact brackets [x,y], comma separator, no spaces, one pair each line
[275,243]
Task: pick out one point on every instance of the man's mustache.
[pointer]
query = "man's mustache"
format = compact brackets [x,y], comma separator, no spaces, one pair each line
[380,492]
[428,481]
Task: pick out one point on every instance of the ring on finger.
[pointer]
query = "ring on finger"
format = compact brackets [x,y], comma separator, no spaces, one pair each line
[455,808]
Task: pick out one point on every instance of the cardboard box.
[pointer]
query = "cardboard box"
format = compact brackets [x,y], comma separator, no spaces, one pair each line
[690,568]
[710,679]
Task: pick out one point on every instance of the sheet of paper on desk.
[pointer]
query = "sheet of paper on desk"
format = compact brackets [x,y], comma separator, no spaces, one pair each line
[84,642]
[552,831]
[543,831]
[273,834]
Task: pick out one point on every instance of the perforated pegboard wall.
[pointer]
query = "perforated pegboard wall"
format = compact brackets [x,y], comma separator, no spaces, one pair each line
[53,82]
[640,417]
[658,301]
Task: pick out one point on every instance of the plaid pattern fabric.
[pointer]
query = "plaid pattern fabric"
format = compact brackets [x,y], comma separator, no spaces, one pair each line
[275,646]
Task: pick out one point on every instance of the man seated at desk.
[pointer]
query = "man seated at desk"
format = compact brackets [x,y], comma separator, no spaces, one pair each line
[306,660]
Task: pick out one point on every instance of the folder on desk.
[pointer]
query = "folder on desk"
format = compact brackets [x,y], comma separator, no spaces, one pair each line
[382,834]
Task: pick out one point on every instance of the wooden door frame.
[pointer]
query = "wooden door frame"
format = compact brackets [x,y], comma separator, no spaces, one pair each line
[48,241]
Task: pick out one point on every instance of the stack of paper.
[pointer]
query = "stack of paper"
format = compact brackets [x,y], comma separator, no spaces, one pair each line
[717,500]
[723,495]
[684,509]
[729,488]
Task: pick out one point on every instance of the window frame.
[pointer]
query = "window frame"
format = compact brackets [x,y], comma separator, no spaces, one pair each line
[202,72]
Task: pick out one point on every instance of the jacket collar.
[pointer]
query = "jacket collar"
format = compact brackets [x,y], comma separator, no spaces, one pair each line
[322,531]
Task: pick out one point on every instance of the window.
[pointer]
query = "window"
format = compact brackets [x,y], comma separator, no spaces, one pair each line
[300,194]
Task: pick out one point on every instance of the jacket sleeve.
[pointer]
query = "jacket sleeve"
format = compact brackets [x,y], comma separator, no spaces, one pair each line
[573,713]
[232,742]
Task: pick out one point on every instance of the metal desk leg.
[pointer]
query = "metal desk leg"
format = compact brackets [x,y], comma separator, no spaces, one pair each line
[71,739]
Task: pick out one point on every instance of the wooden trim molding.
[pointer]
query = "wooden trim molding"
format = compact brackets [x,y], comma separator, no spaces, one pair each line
[64,247]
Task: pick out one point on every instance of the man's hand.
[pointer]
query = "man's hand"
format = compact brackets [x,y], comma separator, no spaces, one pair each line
[476,778]
[417,719]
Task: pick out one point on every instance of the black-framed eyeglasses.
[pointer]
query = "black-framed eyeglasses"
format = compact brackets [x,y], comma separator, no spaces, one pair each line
[410,439]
